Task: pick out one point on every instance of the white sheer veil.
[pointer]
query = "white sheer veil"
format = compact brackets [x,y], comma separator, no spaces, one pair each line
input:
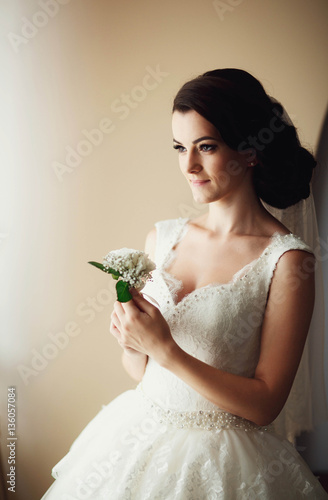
[306,405]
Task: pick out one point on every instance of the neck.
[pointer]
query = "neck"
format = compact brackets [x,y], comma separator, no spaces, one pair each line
[240,214]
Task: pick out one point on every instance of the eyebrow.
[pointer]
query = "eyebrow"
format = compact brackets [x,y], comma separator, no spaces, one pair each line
[196,141]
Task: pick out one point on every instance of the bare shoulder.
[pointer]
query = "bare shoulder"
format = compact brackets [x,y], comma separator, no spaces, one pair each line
[276,226]
[270,224]
[296,256]
[293,258]
[294,274]
[150,244]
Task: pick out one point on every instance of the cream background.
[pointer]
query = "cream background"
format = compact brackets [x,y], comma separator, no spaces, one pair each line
[63,80]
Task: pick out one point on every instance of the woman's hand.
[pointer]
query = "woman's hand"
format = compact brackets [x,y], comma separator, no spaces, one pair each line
[140,328]
[116,332]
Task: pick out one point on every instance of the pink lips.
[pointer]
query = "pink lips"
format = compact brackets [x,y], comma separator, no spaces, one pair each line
[198,182]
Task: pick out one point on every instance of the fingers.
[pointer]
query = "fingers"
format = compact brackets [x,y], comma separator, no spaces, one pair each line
[118,326]
[119,311]
[115,319]
[140,302]
[114,331]
[115,326]
[119,337]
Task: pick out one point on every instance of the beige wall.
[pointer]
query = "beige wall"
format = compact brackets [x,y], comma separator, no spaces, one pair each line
[68,75]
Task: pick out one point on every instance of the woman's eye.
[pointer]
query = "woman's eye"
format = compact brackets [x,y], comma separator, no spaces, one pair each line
[207,147]
[178,148]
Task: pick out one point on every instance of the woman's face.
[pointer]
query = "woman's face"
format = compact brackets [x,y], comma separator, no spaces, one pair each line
[213,170]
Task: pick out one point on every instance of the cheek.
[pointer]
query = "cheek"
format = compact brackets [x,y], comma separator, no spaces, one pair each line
[228,171]
[235,166]
[223,178]
[182,166]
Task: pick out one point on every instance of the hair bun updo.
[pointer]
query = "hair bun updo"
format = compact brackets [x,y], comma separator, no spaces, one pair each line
[247,118]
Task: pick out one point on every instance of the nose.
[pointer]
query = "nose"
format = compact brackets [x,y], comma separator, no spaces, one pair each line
[191,162]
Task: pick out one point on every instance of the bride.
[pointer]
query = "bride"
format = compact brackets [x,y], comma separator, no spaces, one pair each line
[217,356]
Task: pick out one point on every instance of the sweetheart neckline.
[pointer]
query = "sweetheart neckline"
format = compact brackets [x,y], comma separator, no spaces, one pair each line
[233,280]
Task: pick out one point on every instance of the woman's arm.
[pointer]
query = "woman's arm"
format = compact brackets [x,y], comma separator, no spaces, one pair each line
[134,362]
[284,330]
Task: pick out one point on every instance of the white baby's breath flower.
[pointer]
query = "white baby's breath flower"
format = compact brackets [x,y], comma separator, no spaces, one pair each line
[133,266]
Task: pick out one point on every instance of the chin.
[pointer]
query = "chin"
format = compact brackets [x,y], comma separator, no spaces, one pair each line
[200,200]
[204,200]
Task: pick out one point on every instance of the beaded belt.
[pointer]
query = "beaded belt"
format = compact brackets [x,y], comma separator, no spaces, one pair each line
[201,419]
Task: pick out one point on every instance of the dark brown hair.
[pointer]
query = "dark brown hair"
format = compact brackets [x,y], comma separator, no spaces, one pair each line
[249,121]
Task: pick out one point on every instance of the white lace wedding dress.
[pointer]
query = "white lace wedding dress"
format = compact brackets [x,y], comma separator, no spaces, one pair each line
[164,441]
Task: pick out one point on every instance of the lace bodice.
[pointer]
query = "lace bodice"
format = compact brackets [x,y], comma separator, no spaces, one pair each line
[219,324]
[164,440]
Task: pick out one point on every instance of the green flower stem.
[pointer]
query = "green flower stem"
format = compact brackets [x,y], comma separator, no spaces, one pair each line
[122,287]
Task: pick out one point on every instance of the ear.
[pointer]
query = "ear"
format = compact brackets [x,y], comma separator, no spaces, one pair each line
[251,157]
[250,154]
[252,163]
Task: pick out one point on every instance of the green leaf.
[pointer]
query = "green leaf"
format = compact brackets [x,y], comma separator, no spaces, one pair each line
[108,270]
[97,264]
[122,289]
